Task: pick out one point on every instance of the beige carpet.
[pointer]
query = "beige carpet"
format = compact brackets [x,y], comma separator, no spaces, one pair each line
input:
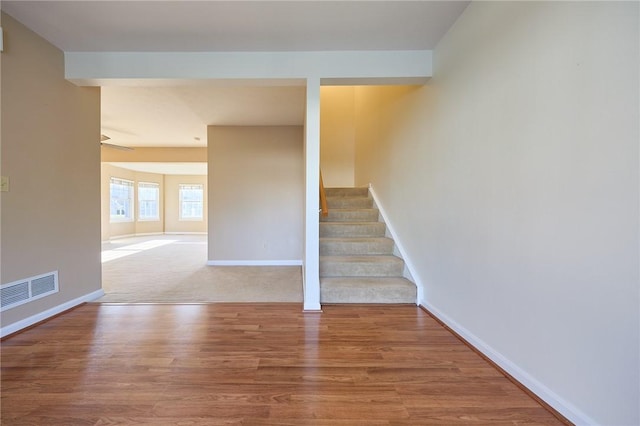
[172,269]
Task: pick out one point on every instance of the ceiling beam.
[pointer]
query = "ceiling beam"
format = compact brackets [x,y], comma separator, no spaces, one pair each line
[332,67]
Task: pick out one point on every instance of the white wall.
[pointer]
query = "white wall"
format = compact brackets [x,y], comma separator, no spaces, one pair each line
[512,182]
[256,193]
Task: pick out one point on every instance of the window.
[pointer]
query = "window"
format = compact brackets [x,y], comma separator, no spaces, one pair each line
[148,201]
[191,201]
[121,199]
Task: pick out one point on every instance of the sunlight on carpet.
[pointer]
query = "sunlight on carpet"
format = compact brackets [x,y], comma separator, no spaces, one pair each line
[120,252]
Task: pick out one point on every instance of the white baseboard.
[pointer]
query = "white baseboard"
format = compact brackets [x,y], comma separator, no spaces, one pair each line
[254,263]
[117,237]
[565,408]
[398,243]
[27,322]
[146,234]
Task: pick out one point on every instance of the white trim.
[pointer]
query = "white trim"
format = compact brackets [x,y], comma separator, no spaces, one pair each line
[185,233]
[117,237]
[147,234]
[564,407]
[311,254]
[27,322]
[254,262]
[190,186]
[352,67]
[398,243]
[153,185]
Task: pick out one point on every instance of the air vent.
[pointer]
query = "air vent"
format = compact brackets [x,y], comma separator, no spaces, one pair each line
[15,293]
[23,291]
[43,285]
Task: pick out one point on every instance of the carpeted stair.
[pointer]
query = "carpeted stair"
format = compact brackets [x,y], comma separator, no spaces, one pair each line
[357,264]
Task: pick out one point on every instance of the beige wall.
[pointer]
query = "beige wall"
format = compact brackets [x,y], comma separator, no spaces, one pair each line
[173,223]
[155,155]
[512,182]
[118,229]
[256,178]
[51,153]
[337,135]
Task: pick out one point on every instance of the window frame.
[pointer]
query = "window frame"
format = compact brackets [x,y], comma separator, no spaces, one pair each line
[149,185]
[126,183]
[181,216]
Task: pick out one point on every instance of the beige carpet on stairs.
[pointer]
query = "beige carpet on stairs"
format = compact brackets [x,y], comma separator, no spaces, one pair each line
[172,269]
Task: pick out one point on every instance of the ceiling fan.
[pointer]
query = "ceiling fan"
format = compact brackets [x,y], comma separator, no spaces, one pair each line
[104,138]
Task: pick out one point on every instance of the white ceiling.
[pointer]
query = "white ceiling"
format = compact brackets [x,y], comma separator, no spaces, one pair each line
[198,26]
[177,115]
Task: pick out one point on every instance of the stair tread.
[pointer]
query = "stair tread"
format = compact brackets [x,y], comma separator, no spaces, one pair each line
[366,281]
[355,202]
[355,246]
[355,239]
[377,258]
[354,209]
[367,290]
[346,192]
[352,229]
[364,223]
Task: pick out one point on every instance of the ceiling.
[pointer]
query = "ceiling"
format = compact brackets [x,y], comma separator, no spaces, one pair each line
[178,116]
[203,26]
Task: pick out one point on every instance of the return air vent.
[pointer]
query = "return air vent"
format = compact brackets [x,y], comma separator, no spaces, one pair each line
[15,293]
[23,291]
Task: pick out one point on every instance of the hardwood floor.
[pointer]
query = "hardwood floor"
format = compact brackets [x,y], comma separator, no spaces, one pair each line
[252,364]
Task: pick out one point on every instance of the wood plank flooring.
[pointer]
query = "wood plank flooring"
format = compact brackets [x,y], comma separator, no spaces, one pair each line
[252,364]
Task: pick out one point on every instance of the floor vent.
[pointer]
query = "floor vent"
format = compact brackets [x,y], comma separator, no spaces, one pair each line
[23,291]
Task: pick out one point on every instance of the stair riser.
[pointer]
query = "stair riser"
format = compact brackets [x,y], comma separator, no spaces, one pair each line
[372,295]
[347,192]
[375,229]
[367,290]
[340,248]
[364,215]
[348,202]
[360,269]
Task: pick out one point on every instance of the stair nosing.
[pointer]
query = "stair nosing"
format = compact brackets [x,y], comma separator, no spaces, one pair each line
[355,239]
[363,257]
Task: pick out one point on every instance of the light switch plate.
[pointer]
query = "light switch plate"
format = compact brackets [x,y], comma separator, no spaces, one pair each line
[4,184]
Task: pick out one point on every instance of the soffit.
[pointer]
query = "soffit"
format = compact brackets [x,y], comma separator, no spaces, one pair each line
[187,169]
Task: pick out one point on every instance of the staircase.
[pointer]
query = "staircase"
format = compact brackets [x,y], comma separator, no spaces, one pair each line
[357,264]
